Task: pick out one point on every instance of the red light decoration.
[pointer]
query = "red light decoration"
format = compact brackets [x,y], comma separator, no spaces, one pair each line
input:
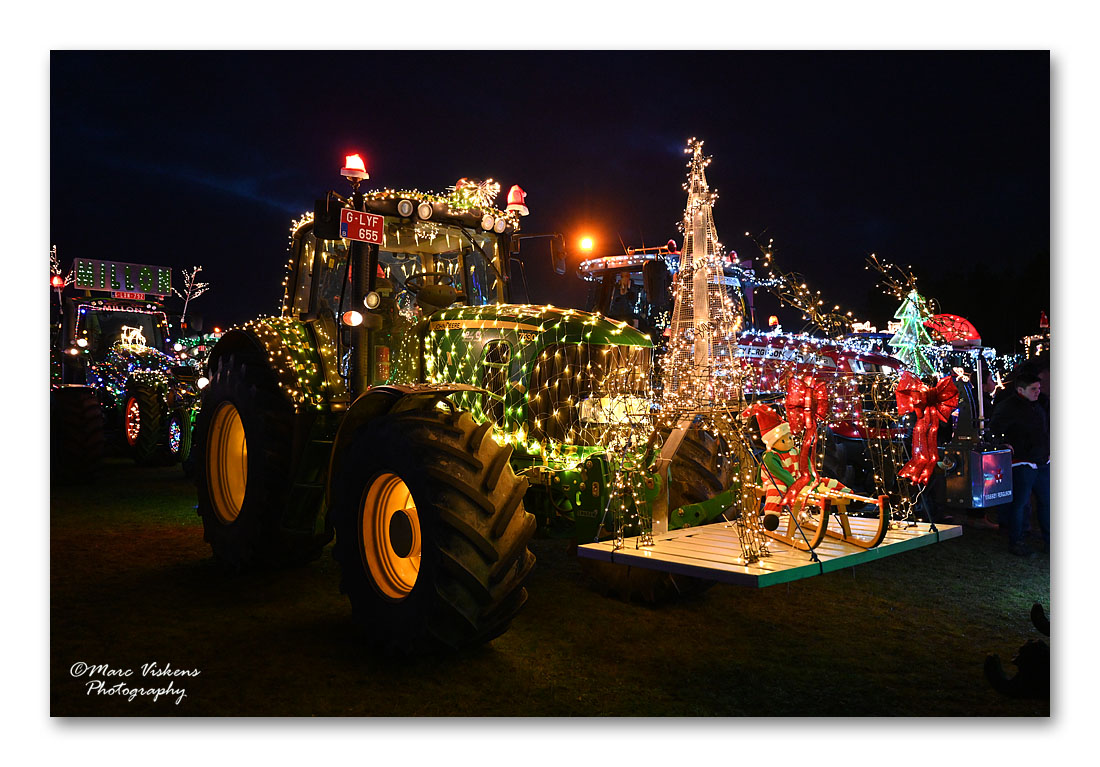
[57,281]
[932,405]
[354,167]
[517,200]
[807,403]
[954,329]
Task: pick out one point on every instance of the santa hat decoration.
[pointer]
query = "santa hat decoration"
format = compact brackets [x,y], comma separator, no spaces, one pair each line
[771,427]
[516,198]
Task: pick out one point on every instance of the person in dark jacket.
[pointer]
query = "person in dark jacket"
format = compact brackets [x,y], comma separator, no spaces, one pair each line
[1021,422]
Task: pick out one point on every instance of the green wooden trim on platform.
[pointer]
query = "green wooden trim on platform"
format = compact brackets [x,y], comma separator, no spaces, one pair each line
[714,552]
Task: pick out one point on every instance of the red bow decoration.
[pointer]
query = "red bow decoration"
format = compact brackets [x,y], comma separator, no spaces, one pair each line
[807,403]
[932,405]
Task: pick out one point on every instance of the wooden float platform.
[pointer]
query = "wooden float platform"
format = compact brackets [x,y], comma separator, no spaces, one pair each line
[714,552]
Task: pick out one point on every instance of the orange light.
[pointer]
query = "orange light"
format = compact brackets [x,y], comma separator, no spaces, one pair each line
[586,243]
[773,321]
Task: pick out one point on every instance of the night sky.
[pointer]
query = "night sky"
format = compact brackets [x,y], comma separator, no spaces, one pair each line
[938,160]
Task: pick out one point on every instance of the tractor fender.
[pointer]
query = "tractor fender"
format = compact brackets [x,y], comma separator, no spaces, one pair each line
[234,340]
[289,347]
[154,379]
[378,401]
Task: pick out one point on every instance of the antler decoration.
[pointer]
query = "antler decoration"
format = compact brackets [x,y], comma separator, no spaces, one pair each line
[793,289]
[898,282]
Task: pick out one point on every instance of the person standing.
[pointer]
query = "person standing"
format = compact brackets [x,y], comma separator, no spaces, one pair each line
[1022,423]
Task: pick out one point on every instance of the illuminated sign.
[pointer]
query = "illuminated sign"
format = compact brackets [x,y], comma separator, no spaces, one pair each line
[786,354]
[121,278]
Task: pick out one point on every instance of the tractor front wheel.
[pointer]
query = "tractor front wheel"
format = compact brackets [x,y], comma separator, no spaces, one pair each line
[144,424]
[431,533]
[243,442]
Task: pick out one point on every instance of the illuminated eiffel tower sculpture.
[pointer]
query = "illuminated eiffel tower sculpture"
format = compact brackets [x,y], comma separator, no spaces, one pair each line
[701,371]
[701,368]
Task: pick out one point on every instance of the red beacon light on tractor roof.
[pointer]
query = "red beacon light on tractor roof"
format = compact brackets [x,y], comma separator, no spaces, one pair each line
[354,167]
[57,281]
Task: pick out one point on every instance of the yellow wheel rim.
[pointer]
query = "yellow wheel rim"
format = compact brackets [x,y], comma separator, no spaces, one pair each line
[389,536]
[227,463]
[133,421]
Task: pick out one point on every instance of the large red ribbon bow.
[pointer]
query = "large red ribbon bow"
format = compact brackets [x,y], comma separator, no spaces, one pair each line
[807,403]
[932,405]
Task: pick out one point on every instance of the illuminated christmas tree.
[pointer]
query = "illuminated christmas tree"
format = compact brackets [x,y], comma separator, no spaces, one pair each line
[912,340]
[701,366]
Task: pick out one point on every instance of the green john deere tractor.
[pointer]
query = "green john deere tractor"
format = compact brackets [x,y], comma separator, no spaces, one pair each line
[402,405]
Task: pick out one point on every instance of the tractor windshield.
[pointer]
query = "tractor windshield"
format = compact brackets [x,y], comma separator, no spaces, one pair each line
[414,254]
[103,327]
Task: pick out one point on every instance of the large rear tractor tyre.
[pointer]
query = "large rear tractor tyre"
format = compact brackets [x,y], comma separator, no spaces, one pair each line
[701,468]
[431,533]
[144,425]
[77,441]
[242,441]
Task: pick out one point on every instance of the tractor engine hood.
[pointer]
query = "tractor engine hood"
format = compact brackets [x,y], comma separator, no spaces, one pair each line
[544,324]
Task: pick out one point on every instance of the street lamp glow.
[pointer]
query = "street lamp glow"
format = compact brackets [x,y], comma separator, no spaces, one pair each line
[586,243]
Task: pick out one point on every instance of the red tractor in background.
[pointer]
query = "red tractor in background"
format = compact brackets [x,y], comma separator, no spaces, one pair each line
[635,286]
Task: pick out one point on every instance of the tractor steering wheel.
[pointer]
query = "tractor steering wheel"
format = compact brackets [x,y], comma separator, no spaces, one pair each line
[415,283]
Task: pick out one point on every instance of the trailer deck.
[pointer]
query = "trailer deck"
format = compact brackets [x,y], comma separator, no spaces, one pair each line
[714,552]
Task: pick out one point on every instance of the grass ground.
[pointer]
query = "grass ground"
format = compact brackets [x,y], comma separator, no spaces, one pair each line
[132,582]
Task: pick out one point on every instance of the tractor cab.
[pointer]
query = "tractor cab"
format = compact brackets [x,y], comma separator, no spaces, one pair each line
[634,287]
[100,324]
[423,266]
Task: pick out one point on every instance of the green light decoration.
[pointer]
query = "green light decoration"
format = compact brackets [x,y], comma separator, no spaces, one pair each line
[912,343]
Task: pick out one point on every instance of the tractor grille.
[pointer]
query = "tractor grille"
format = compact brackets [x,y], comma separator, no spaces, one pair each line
[566,375]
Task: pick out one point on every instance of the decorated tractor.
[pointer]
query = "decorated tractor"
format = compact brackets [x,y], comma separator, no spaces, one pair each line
[112,356]
[400,404]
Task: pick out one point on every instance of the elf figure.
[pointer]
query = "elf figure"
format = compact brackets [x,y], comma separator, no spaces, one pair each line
[779,465]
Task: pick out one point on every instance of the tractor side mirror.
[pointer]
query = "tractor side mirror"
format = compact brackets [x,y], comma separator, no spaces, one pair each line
[326,219]
[557,254]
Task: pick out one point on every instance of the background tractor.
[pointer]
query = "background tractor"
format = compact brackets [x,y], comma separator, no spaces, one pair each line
[114,380]
[400,404]
[636,287]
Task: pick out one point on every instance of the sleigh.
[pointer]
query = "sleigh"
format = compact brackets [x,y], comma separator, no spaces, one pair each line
[823,513]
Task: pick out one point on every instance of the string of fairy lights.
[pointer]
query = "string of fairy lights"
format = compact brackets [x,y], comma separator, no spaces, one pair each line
[793,289]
